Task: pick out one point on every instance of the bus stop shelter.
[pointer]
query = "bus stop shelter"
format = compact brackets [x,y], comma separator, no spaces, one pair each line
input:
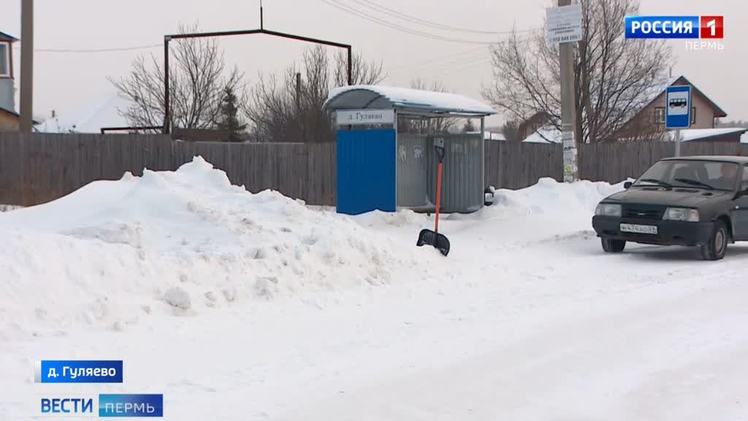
[386,158]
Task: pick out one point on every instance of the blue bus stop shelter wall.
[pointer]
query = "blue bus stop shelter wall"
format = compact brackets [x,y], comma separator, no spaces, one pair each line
[366,171]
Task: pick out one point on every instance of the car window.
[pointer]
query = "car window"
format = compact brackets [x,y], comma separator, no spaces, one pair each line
[692,173]
[722,175]
[744,185]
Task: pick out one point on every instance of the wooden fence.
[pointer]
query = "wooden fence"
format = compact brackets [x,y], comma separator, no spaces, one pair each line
[38,168]
[42,167]
[615,161]
[514,165]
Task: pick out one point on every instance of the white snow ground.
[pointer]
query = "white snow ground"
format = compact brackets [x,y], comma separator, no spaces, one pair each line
[256,307]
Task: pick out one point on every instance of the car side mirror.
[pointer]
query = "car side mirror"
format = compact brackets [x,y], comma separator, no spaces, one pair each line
[627,184]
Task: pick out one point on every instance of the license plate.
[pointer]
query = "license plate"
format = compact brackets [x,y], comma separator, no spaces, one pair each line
[639,229]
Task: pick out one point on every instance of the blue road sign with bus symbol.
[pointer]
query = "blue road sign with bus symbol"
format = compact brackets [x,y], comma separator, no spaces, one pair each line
[678,107]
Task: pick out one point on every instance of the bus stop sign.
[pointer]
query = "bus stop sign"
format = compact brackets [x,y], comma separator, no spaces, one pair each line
[678,107]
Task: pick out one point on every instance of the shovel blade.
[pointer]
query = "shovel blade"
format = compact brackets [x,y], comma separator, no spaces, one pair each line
[431,238]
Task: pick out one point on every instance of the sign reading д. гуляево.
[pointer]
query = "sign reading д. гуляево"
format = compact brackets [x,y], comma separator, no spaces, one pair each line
[357,117]
[80,371]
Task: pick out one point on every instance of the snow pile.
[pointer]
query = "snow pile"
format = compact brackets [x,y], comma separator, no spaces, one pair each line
[178,242]
[549,197]
[546,211]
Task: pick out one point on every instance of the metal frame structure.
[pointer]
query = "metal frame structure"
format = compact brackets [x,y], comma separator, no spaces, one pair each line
[262,30]
[105,130]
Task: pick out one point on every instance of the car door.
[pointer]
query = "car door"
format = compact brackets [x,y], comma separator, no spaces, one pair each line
[740,213]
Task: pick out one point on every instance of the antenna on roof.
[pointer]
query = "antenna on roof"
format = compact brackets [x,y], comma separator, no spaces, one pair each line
[262,23]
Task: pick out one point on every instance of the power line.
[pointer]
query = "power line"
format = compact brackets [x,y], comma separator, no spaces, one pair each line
[397,27]
[441,58]
[96,50]
[469,64]
[435,25]
[440,65]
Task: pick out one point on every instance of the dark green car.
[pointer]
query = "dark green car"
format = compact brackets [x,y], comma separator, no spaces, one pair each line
[693,201]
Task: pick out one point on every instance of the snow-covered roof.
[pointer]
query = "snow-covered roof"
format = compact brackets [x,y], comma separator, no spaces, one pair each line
[545,135]
[688,135]
[102,112]
[552,135]
[488,135]
[6,37]
[405,100]
[658,89]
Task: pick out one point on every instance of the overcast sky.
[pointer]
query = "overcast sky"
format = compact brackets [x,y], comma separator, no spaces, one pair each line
[69,82]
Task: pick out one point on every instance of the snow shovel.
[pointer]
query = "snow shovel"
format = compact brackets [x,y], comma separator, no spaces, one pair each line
[434,238]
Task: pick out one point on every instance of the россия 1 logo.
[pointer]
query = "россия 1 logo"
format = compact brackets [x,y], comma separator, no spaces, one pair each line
[675,27]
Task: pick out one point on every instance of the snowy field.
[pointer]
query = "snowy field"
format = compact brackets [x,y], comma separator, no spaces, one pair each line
[256,307]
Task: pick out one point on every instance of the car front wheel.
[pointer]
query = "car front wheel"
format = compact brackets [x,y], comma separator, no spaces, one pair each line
[613,246]
[716,247]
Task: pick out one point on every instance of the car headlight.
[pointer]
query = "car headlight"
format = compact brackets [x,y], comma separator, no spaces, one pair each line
[681,214]
[608,209]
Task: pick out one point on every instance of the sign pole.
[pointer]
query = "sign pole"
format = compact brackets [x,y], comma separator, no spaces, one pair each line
[567,112]
[27,65]
[564,26]
[678,111]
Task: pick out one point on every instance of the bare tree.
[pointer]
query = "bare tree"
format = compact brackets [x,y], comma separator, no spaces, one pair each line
[198,80]
[290,108]
[614,77]
[362,72]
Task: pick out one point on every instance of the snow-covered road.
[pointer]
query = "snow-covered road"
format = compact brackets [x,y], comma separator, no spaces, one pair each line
[527,319]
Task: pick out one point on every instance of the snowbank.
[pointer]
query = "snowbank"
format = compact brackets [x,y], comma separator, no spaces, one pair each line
[178,243]
[549,197]
[546,211]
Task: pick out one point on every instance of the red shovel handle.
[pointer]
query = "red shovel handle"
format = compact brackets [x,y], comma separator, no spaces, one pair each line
[438,194]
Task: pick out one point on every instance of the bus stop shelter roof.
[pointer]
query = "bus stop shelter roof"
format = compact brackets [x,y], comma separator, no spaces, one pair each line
[406,101]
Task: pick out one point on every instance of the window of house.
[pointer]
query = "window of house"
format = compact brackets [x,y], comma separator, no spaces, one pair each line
[693,115]
[659,115]
[4,60]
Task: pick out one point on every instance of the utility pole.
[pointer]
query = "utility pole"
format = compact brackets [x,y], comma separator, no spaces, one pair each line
[262,18]
[568,107]
[302,131]
[27,65]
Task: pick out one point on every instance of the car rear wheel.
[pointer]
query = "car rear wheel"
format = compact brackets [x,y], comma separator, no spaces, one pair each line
[613,246]
[716,247]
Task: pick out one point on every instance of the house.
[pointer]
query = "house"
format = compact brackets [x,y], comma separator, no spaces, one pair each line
[9,119]
[546,134]
[649,122]
[532,124]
